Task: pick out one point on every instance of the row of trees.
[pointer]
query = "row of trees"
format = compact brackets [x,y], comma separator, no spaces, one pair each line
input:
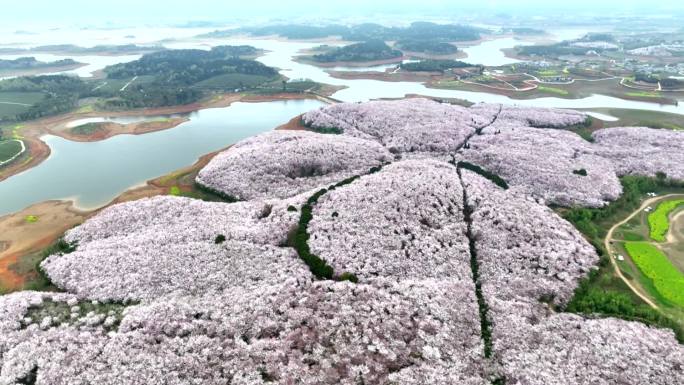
[437,65]
[552,50]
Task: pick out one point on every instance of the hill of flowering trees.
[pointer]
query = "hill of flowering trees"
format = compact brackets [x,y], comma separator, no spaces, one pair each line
[456,280]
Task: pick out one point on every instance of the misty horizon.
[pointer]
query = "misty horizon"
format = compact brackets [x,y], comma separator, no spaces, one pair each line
[80,13]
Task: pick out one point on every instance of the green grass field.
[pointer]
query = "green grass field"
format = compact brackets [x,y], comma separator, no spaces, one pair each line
[115,85]
[547,73]
[232,81]
[657,267]
[13,103]
[8,149]
[658,220]
[643,94]
[553,90]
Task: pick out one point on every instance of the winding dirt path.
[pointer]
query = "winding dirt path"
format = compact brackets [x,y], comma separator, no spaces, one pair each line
[607,242]
[671,237]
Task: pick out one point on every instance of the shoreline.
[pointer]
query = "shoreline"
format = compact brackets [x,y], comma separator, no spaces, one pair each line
[22,241]
[37,150]
[431,80]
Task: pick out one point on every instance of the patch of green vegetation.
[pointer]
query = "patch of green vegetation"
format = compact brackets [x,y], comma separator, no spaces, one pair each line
[85,109]
[497,180]
[31,219]
[586,134]
[632,237]
[233,82]
[13,103]
[602,294]
[219,239]
[437,65]
[580,172]
[86,129]
[483,308]
[643,94]
[299,237]
[9,149]
[644,118]
[175,191]
[658,220]
[547,73]
[553,90]
[322,130]
[210,194]
[426,46]
[655,265]
[41,281]
[59,93]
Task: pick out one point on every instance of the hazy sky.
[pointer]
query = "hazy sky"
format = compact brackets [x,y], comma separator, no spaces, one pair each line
[133,11]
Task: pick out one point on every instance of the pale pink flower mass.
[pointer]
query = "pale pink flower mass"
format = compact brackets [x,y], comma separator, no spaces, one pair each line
[181,291]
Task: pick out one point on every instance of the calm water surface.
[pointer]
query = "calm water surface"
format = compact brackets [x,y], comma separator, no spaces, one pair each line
[94,173]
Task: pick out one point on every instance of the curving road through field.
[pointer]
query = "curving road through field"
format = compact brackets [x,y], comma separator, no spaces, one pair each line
[607,242]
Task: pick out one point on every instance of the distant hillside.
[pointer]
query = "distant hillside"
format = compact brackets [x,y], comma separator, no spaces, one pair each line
[361,32]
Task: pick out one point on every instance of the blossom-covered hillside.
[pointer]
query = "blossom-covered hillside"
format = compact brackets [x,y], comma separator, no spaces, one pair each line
[640,151]
[547,164]
[439,275]
[284,163]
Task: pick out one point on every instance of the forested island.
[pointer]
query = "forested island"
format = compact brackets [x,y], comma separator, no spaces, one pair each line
[31,62]
[372,50]
[164,78]
[27,65]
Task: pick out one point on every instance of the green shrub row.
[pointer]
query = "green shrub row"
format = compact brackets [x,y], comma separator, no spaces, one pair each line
[322,130]
[299,240]
[43,282]
[497,180]
[220,194]
[483,308]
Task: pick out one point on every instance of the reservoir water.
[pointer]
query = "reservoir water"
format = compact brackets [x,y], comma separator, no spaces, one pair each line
[94,173]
